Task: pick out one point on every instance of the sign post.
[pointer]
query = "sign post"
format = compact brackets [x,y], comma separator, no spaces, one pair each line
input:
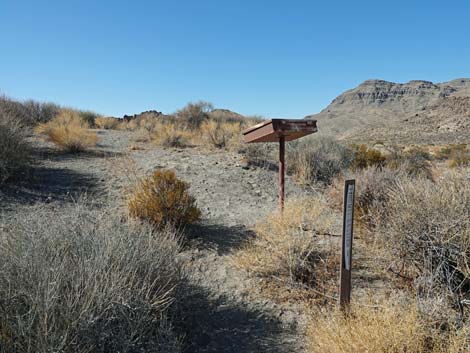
[282,131]
[347,242]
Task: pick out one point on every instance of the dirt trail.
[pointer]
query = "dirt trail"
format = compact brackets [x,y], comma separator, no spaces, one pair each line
[222,316]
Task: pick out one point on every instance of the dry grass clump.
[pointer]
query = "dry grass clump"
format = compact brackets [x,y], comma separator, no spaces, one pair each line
[388,328]
[459,158]
[427,228]
[221,134]
[69,132]
[164,200]
[172,135]
[365,157]
[82,281]
[287,248]
[14,149]
[318,159]
[107,123]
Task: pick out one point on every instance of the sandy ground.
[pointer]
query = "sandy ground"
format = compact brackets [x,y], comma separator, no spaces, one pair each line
[221,314]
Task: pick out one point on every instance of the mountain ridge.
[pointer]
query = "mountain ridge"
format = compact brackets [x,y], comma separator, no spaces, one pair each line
[384,110]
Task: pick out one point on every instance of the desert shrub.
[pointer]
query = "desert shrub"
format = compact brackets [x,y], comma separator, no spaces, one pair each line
[445,152]
[83,281]
[163,199]
[459,158]
[367,157]
[286,249]
[107,123]
[14,149]
[389,328]
[415,162]
[373,186]
[41,112]
[69,132]
[194,114]
[28,113]
[260,154]
[172,135]
[428,231]
[318,159]
[88,117]
[220,134]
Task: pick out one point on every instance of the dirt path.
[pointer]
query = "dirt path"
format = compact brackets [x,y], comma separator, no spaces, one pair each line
[222,315]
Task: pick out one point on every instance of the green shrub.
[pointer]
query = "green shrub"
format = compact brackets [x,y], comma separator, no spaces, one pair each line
[82,281]
[163,199]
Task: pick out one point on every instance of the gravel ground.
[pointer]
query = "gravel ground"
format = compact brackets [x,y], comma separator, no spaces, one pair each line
[222,312]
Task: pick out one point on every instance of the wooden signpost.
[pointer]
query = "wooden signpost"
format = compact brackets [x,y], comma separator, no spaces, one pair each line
[347,242]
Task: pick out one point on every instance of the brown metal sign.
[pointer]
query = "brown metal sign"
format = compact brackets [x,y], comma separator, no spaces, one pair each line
[280,130]
[271,130]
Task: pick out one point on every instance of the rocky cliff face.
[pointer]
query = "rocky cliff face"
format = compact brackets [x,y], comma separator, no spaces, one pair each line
[386,110]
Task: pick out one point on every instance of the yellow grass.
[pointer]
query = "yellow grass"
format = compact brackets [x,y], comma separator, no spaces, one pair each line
[172,135]
[286,248]
[69,132]
[221,134]
[393,326]
[107,123]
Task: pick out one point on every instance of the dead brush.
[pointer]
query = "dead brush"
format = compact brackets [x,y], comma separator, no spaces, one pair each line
[290,249]
[372,190]
[15,151]
[428,231]
[171,135]
[390,327]
[107,123]
[79,280]
[221,134]
[69,132]
[163,199]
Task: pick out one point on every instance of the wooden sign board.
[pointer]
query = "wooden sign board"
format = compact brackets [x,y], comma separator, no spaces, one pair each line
[272,130]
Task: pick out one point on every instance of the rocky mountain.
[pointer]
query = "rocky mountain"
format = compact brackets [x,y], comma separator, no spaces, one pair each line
[419,111]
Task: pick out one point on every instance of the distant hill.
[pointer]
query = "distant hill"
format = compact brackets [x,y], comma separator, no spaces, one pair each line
[417,111]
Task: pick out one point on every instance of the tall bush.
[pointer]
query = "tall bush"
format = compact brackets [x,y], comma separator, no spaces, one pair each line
[82,281]
[15,152]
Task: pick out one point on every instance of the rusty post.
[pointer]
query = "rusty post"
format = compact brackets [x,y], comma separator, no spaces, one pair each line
[346,247]
[282,167]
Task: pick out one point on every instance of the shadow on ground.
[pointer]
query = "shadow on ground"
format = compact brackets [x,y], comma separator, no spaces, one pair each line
[217,325]
[43,184]
[220,237]
[43,152]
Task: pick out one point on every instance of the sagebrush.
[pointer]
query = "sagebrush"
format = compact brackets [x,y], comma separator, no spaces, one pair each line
[15,151]
[80,280]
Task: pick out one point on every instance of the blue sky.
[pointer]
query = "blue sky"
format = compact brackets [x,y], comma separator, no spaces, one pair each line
[272,58]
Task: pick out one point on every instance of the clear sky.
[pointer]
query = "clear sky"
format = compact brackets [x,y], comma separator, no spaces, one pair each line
[272,58]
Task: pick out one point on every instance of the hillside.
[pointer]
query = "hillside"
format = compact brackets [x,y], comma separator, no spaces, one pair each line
[417,111]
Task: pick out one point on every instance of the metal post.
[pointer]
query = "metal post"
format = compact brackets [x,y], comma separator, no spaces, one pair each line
[282,167]
[346,247]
